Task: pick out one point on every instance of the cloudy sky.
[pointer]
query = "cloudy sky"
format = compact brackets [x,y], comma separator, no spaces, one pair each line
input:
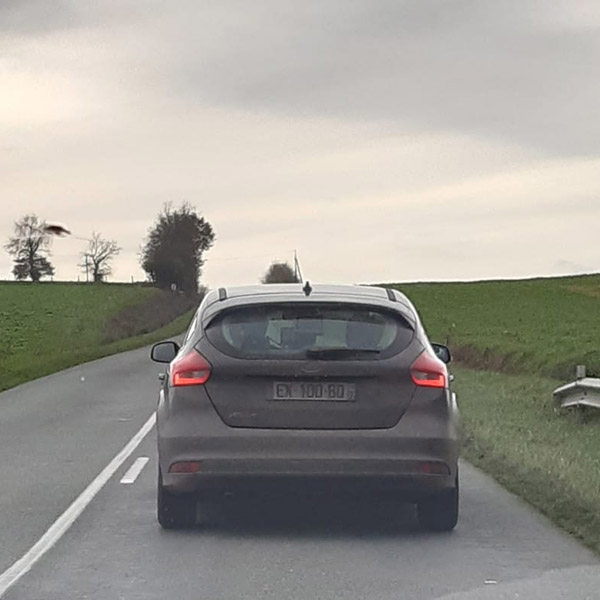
[385,140]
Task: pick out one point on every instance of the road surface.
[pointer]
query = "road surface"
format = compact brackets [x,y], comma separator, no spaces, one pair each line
[59,434]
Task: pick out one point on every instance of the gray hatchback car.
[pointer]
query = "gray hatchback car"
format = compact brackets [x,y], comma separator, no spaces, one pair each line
[291,387]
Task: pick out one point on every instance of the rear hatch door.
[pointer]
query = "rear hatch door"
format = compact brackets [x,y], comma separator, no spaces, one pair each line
[310,366]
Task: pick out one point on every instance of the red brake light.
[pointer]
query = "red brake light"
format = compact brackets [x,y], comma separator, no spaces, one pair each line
[434,468]
[429,371]
[191,369]
[185,467]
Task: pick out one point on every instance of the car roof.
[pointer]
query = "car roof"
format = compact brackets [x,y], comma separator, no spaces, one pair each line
[224,298]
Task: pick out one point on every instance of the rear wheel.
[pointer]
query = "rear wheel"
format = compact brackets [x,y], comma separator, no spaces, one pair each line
[440,512]
[174,511]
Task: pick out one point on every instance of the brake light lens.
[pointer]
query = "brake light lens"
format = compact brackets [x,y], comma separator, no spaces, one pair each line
[429,371]
[191,369]
[434,468]
[185,467]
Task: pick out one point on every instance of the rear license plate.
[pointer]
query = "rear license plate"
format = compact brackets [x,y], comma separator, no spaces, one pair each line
[328,391]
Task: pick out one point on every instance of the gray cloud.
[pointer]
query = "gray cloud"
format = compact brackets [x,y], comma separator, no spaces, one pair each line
[37,16]
[359,120]
[488,68]
[519,70]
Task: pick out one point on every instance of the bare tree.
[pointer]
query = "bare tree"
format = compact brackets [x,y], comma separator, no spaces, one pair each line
[98,257]
[30,247]
[280,272]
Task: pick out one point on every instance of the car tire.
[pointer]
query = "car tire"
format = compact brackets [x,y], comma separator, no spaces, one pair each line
[440,512]
[174,511]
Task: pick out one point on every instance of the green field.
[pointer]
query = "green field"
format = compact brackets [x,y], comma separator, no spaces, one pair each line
[515,342]
[50,326]
[544,326]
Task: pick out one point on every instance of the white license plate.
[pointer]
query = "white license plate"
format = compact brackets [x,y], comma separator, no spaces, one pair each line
[326,391]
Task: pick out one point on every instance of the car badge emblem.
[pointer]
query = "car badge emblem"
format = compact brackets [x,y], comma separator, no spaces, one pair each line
[310,368]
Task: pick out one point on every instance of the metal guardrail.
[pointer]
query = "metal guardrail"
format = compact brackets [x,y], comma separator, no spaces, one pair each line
[585,391]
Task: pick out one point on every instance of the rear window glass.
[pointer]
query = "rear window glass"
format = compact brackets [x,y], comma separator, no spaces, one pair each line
[319,331]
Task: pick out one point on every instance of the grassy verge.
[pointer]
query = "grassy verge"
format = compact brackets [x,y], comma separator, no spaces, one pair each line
[49,327]
[551,458]
[63,360]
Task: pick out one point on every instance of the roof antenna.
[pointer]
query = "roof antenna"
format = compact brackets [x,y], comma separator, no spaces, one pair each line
[307,289]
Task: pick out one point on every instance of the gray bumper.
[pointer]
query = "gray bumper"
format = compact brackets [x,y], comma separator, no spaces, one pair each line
[231,458]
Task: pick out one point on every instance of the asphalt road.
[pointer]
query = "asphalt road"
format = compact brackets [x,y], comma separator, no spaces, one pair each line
[58,433]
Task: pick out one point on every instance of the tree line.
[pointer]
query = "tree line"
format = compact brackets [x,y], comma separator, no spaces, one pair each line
[172,254]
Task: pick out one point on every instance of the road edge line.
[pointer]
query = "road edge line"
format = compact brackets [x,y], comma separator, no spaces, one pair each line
[63,523]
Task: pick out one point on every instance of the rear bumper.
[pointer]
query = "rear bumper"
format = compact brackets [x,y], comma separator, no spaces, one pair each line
[271,476]
[373,460]
[387,460]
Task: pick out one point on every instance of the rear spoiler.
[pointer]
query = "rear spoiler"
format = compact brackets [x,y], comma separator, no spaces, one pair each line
[398,305]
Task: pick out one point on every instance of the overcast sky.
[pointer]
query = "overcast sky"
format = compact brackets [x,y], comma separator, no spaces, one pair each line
[385,140]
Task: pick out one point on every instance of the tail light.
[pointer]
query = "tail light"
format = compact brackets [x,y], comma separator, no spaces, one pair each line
[191,369]
[434,468]
[185,467]
[429,371]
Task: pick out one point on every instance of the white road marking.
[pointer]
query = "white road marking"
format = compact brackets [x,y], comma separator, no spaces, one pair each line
[64,522]
[135,469]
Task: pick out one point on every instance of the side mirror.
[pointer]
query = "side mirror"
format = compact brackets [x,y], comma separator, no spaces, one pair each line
[442,352]
[164,352]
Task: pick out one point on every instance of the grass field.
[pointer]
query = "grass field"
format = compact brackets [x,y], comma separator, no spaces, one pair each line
[544,326]
[50,326]
[516,341]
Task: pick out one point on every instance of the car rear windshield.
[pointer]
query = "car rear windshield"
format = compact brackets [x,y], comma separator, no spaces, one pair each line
[329,332]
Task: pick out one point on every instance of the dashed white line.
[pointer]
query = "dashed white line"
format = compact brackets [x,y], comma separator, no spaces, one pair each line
[135,469]
[64,522]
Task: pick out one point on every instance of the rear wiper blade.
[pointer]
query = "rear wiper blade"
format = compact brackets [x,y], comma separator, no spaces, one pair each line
[340,352]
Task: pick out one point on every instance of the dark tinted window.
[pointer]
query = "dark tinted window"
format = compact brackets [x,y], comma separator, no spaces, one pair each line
[292,331]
